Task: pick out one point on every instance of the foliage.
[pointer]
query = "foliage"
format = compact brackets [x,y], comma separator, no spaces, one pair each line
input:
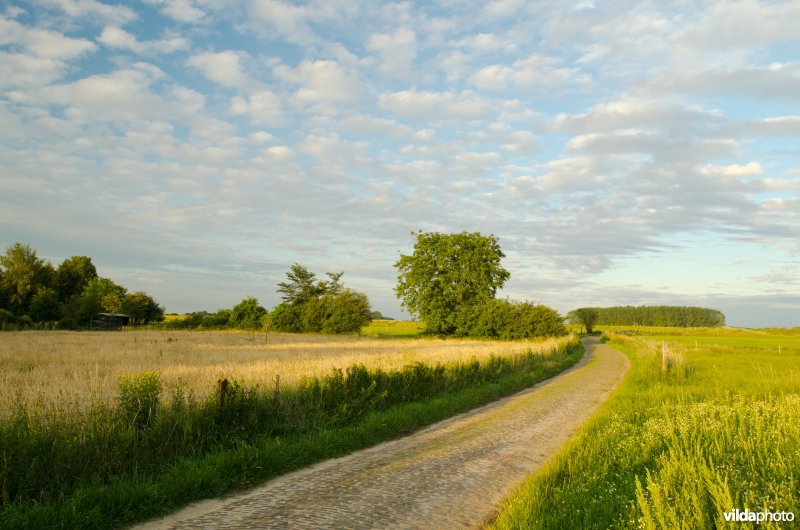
[34,292]
[44,305]
[23,273]
[138,398]
[302,287]
[670,316]
[345,312]
[247,314]
[73,274]
[449,276]
[202,320]
[318,306]
[503,319]
[142,308]
[584,316]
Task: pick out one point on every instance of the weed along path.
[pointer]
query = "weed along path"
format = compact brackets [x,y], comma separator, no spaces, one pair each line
[449,475]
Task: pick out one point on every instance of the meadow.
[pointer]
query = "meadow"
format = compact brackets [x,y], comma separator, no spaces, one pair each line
[103,429]
[66,372]
[706,422]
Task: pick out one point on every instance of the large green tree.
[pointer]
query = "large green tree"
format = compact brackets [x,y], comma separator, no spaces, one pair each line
[448,277]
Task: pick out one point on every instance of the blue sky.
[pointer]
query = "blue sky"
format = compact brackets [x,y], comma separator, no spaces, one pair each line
[623,152]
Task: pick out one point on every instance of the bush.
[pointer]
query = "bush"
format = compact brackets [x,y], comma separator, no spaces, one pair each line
[246,314]
[345,312]
[503,319]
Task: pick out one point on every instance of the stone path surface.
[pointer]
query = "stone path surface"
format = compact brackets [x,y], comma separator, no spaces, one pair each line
[450,475]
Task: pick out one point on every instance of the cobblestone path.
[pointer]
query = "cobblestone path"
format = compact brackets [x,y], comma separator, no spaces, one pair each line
[449,475]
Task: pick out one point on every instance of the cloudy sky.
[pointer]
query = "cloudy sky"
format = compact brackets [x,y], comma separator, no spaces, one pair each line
[624,152]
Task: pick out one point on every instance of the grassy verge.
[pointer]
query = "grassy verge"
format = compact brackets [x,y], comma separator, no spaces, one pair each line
[703,424]
[148,488]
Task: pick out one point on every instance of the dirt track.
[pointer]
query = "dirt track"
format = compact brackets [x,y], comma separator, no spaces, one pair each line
[450,475]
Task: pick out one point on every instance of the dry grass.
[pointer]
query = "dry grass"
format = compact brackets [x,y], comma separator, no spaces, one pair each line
[61,372]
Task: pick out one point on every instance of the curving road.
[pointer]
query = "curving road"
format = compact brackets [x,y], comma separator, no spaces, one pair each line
[450,475]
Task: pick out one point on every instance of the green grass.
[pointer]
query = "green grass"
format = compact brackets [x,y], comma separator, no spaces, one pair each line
[393,329]
[179,455]
[678,449]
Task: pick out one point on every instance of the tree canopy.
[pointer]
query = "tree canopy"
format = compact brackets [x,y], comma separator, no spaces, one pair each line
[32,291]
[321,306]
[670,316]
[584,316]
[448,275]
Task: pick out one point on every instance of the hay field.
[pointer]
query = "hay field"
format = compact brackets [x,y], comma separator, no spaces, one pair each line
[57,372]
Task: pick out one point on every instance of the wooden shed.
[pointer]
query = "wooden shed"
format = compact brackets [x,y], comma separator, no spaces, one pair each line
[110,321]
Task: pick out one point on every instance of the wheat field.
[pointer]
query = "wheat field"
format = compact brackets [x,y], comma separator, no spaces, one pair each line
[57,372]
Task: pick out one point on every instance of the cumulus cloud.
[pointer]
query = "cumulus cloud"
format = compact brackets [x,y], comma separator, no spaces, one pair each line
[320,81]
[536,71]
[435,105]
[94,11]
[180,10]
[263,107]
[116,37]
[223,68]
[396,51]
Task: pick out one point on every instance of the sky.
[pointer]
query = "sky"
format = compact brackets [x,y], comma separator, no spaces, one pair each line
[623,152]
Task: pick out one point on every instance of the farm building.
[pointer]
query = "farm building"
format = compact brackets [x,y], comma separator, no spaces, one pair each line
[110,321]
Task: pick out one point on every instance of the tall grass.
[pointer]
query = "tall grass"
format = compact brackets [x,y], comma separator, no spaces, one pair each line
[51,461]
[677,447]
[64,372]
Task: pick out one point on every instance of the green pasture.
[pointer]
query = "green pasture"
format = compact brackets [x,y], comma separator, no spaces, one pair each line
[392,328]
[680,443]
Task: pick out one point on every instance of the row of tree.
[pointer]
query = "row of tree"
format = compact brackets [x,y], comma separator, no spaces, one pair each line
[668,316]
[309,305]
[71,295]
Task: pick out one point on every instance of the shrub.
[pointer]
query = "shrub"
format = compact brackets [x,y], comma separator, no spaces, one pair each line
[246,314]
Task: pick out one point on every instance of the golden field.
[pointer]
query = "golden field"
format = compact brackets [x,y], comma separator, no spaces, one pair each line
[56,372]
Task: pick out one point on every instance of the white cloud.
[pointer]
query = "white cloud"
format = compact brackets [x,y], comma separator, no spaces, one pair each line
[320,81]
[126,95]
[734,170]
[436,105]
[500,9]
[94,10]
[273,18]
[397,51]
[116,37]
[41,42]
[263,107]
[223,68]
[536,71]
[180,10]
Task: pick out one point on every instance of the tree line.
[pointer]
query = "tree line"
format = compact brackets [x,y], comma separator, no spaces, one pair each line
[663,316]
[309,305]
[69,296]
